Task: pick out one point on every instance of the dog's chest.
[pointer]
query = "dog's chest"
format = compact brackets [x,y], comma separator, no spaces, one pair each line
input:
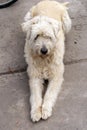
[44,67]
[45,72]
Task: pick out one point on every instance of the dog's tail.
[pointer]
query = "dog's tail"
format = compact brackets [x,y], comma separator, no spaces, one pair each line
[66,4]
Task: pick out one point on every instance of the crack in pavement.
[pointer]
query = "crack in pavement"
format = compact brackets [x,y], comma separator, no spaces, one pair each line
[75,61]
[13,71]
[25,68]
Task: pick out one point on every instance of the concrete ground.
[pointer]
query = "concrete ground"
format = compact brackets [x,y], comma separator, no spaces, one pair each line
[70,112]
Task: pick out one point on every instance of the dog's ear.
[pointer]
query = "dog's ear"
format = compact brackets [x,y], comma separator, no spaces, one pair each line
[29,21]
[65,4]
[66,21]
[25,26]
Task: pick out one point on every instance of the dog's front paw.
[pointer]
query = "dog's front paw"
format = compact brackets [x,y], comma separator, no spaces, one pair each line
[36,114]
[46,113]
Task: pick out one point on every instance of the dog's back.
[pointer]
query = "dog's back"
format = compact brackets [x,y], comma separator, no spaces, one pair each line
[48,8]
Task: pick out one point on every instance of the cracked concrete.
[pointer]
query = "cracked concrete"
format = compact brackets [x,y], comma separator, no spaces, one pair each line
[70,110]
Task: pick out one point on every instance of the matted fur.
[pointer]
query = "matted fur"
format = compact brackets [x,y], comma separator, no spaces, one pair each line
[45,25]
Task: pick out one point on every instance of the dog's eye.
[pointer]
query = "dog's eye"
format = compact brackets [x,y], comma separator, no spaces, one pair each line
[50,38]
[36,37]
[47,37]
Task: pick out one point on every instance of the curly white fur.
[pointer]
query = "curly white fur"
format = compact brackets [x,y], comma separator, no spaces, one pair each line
[46,30]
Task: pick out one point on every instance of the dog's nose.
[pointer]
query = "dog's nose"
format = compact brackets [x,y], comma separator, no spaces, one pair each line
[44,50]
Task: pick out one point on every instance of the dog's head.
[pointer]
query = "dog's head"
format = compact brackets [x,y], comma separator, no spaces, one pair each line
[43,33]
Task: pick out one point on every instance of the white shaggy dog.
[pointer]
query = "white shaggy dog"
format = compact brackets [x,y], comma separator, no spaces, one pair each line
[45,26]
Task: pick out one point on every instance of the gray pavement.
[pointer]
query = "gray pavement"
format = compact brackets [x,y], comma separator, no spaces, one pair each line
[70,112]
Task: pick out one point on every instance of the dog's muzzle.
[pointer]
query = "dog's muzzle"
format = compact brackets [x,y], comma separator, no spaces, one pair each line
[44,50]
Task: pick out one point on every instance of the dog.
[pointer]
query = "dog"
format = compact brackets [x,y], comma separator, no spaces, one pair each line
[45,26]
